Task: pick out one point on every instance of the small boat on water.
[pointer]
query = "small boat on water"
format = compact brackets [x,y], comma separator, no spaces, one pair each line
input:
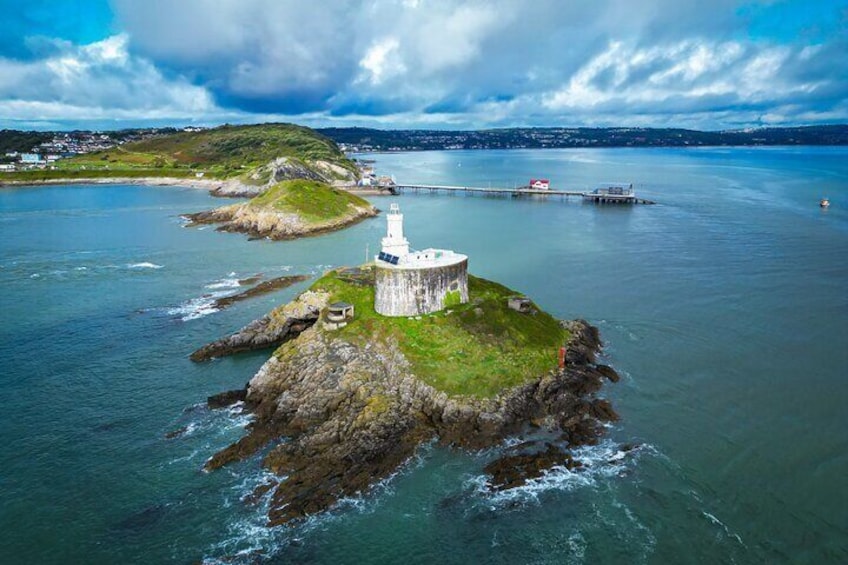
[824,203]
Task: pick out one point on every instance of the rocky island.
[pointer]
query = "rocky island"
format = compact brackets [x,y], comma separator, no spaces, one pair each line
[378,359]
[290,209]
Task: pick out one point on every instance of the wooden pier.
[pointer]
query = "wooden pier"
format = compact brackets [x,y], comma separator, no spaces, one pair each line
[517,193]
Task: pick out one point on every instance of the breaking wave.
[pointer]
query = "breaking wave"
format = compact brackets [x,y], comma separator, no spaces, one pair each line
[204,305]
[249,539]
[144,265]
[195,308]
[223,283]
[604,460]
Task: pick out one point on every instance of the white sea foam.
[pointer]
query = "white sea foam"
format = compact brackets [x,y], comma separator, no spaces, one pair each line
[185,458]
[201,306]
[144,265]
[249,536]
[577,545]
[599,461]
[194,308]
[727,532]
[223,283]
[190,429]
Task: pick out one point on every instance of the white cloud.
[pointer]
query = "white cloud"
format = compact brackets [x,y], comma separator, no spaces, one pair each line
[455,37]
[476,63]
[685,74]
[95,81]
[381,61]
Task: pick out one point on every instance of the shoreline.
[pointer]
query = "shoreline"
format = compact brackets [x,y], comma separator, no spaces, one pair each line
[215,188]
[206,184]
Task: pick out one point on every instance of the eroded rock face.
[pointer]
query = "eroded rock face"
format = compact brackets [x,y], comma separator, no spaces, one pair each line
[282,169]
[351,414]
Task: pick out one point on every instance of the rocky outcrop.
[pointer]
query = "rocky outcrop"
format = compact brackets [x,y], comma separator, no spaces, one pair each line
[228,398]
[525,462]
[263,287]
[282,324]
[259,222]
[281,169]
[352,413]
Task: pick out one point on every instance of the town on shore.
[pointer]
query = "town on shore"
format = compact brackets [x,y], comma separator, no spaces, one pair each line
[34,150]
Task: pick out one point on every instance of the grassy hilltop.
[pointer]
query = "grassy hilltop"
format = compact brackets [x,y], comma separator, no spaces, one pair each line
[478,349]
[313,201]
[221,153]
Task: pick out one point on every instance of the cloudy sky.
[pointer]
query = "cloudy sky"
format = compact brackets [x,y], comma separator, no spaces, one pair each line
[423,63]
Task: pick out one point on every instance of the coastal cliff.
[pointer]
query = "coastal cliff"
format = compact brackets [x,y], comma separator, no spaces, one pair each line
[289,209]
[355,402]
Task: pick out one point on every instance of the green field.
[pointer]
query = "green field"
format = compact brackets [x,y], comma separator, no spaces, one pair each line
[475,349]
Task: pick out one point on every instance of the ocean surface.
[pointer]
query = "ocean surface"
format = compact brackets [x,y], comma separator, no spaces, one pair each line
[724,307]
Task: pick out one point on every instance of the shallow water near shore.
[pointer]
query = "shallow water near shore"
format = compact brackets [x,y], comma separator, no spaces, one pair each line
[724,307]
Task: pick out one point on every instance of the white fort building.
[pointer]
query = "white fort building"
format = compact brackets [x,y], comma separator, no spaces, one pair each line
[410,283]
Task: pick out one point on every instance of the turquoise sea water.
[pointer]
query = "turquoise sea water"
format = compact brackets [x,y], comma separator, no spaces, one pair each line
[724,307]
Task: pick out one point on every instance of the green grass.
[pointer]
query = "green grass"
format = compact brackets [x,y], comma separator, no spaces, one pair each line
[313,201]
[44,175]
[230,150]
[477,349]
[222,152]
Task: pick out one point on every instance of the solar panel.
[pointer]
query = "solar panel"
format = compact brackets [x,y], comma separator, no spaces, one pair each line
[388,258]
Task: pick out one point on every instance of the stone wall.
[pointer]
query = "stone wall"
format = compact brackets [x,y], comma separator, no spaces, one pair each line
[411,292]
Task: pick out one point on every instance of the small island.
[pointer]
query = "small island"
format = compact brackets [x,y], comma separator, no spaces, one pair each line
[373,361]
[290,209]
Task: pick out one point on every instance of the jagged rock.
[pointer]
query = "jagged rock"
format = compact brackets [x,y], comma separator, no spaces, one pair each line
[282,324]
[608,372]
[515,469]
[173,434]
[228,398]
[351,414]
[262,288]
[258,222]
[283,168]
[247,281]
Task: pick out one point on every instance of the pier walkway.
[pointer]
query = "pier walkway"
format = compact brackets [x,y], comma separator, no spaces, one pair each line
[517,192]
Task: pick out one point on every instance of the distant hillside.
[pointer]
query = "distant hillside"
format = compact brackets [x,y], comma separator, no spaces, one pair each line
[21,141]
[250,158]
[362,139]
[223,152]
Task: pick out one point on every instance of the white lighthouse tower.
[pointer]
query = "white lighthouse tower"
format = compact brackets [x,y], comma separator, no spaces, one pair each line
[394,243]
[410,283]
